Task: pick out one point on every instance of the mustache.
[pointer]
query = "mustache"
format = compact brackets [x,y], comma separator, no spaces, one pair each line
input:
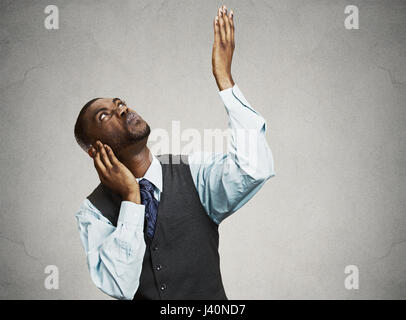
[130,117]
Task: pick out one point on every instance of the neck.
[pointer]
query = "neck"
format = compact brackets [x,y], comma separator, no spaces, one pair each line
[137,159]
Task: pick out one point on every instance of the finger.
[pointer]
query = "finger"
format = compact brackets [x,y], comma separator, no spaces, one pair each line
[231,19]
[98,164]
[113,159]
[221,26]
[103,155]
[216,28]
[227,24]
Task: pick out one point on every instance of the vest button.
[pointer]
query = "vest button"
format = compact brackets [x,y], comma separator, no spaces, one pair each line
[158,267]
[155,248]
[163,287]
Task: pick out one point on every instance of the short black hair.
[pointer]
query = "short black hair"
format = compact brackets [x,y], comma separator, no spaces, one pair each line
[81,127]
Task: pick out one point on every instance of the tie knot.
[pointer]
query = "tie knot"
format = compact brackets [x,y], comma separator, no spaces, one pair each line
[146,185]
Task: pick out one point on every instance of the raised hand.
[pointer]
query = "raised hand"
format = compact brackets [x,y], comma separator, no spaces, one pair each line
[114,174]
[223,48]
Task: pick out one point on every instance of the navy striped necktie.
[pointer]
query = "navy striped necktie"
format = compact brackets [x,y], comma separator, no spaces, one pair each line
[151,204]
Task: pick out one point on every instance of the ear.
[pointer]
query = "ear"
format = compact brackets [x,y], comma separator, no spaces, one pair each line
[91,151]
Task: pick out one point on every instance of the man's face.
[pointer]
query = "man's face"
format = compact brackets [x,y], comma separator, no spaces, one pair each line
[113,123]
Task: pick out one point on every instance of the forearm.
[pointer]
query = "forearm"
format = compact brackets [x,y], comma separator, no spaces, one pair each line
[247,144]
[224,81]
[114,274]
[114,254]
[119,259]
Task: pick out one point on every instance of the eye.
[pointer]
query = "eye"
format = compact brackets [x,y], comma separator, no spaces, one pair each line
[101,115]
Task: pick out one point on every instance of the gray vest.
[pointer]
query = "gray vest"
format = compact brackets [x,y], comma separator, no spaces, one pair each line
[182,260]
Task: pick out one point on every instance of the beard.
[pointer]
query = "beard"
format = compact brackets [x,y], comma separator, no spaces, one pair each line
[143,133]
[121,141]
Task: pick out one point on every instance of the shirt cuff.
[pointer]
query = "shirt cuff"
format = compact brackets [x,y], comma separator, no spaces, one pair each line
[131,214]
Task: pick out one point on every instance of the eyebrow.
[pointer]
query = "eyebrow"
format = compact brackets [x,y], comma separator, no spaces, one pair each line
[104,108]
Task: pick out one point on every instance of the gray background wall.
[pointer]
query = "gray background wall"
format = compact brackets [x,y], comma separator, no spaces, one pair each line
[334,100]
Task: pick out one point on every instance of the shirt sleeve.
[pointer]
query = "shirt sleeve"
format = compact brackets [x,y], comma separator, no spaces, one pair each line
[225,182]
[114,254]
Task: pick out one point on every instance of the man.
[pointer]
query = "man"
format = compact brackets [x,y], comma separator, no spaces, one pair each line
[150,229]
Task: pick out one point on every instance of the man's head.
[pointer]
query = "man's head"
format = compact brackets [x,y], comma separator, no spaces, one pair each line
[112,122]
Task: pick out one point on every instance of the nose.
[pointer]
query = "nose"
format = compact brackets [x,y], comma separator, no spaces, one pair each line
[122,111]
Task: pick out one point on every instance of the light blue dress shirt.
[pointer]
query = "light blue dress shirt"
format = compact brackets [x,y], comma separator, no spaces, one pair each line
[225,182]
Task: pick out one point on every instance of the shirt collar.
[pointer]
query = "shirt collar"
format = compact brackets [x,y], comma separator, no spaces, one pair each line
[154,173]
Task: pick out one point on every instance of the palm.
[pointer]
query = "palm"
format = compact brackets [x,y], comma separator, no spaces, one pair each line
[223,48]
